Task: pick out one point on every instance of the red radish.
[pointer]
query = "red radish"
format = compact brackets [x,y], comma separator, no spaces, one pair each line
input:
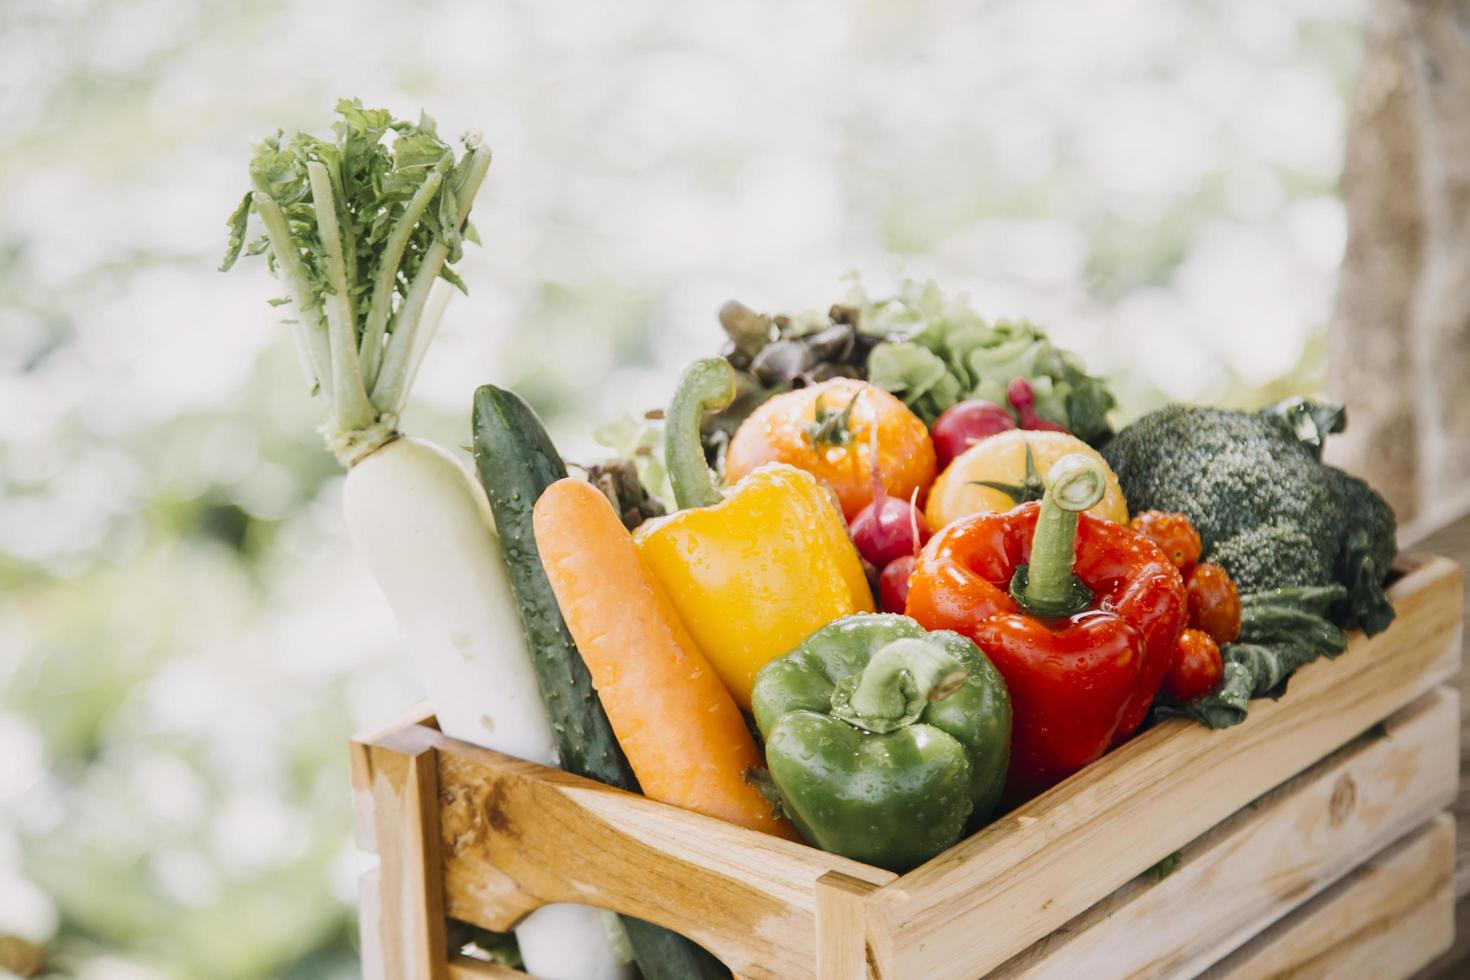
[884,530]
[893,584]
[1023,398]
[891,529]
[961,426]
[888,527]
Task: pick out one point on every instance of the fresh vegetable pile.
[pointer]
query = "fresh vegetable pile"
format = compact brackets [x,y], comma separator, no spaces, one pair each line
[870,578]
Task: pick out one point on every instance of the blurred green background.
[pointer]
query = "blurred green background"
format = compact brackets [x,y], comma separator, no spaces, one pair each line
[187,639]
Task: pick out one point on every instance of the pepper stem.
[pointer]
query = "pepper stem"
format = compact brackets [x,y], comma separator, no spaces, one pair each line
[896,685]
[1047,586]
[707,385]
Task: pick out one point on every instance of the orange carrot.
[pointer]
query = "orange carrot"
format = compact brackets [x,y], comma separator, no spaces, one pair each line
[686,740]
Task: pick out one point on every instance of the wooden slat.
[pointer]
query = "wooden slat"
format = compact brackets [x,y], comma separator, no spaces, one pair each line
[411,916]
[1054,857]
[842,948]
[369,939]
[364,824]
[1447,532]
[1267,859]
[361,764]
[518,835]
[1453,963]
[1384,921]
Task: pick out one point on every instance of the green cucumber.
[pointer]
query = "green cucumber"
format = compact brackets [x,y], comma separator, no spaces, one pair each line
[516,461]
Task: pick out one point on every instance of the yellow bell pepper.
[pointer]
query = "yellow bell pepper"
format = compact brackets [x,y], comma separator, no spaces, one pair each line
[755,571]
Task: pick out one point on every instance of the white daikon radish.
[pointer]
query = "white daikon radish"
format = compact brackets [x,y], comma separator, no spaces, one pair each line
[418,516]
[361,228]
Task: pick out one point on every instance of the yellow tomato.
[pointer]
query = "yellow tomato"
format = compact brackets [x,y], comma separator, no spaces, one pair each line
[1001,458]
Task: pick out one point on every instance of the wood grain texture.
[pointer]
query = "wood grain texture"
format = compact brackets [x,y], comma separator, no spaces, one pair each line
[361,766]
[1452,963]
[1269,858]
[370,942]
[1382,922]
[1056,856]
[842,947]
[517,836]
[411,928]
[1447,533]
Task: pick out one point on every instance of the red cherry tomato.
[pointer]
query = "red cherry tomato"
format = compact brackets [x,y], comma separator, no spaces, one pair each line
[1197,666]
[1171,532]
[1214,602]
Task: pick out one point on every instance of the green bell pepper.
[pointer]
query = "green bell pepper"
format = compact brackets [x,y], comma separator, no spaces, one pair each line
[885,742]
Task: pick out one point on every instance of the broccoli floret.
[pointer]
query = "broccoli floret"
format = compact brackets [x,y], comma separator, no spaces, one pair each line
[1368,549]
[1270,556]
[1266,507]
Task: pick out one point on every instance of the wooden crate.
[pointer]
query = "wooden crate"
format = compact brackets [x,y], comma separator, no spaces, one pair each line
[1311,839]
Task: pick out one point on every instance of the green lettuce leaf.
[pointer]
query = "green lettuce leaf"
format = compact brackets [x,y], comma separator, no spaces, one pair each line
[917,375]
[979,360]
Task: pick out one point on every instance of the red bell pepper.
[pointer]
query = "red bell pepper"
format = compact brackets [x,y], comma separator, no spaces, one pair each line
[1080,616]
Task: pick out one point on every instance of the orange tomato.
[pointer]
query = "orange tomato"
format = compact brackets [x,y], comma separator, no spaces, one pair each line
[827,430]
